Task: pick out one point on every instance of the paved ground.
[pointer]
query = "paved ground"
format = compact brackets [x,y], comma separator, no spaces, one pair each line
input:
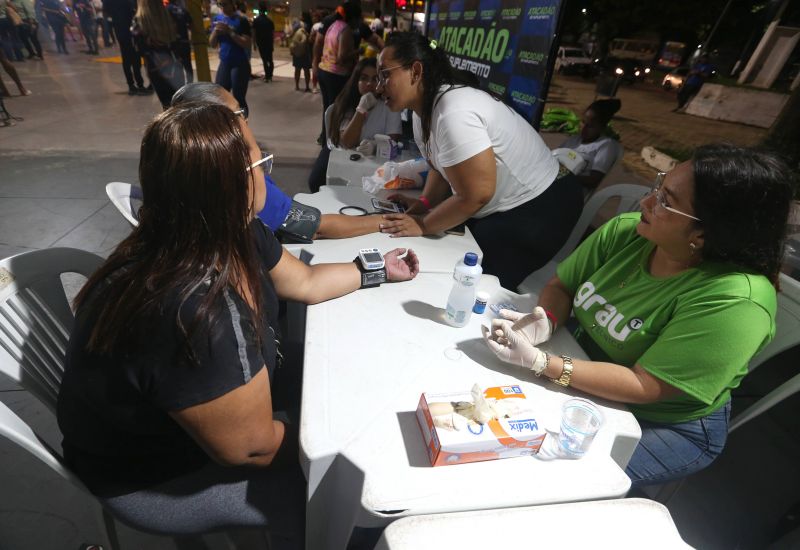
[81,130]
[646,118]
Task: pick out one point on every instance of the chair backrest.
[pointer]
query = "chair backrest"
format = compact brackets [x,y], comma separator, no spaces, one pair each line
[328,141]
[787,322]
[16,430]
[629,197]
[121,194]
[36,318]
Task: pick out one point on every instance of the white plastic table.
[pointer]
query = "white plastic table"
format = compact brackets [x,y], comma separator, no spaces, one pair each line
[368,357]
[343,171]
[630,523]
[437,254]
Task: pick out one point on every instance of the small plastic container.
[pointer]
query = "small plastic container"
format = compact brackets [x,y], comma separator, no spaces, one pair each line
[481,299]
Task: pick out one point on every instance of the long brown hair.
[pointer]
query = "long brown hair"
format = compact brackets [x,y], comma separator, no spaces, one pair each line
[156,23]
[347,100]
[192,238]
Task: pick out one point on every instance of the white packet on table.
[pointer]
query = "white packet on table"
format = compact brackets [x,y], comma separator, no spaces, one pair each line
[409,174]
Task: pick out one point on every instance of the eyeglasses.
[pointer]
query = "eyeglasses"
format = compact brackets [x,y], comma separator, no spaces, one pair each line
[241,113]
[266,160]
[369,79]
[662,201]
[383,74]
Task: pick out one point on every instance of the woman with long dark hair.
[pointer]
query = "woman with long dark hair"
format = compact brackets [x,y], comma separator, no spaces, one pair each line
[671,303]
[488,166]
[155,37]
[166,406]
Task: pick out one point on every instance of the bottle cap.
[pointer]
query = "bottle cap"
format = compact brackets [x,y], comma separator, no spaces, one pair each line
[470,258]
[482,296]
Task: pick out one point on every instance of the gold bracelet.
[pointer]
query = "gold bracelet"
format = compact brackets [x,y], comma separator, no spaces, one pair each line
[566,373]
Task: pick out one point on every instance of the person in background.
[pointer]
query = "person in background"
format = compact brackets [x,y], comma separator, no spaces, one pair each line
[121,13]
[171,405]
[335,55]
[316,27]
[155,36]
[183,45]
[57,20]
[9,36]
[358,114]
[488,166]
[700,72]
[87,17]
[12,72]
[28,27]
[287,218]
[101,23]
[264,34]
[599,150]
[671,305]
[376,26]
[301,53]
[231,33]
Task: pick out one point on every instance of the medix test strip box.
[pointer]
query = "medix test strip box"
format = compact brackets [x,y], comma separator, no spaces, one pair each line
[509,437]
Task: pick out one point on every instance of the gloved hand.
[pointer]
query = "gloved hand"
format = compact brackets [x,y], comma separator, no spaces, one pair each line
[512,347]
[535,327]
[366,103]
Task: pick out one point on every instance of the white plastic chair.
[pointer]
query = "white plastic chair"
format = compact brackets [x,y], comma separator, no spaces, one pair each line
[629,196]
[787,335]
[35,324]
[121,194]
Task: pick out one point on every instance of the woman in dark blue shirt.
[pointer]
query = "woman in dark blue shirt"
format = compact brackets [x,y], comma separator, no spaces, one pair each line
[231,32]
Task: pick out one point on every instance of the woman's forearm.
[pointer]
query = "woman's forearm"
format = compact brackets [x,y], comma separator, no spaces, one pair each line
[328,281]
[339,226]
[556,299]
[451,212]
[350,136]
[613,382]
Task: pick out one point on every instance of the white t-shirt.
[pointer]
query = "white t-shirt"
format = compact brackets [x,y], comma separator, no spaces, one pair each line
[466,121]
[600,155]
[380,120]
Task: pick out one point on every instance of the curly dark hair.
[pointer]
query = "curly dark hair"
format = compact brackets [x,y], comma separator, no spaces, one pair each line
[743,196]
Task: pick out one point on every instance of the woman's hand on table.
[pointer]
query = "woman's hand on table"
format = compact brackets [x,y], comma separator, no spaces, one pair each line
[402,225]
[411,205]
[402,264]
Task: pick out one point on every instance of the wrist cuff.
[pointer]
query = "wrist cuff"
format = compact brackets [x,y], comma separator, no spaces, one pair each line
[373,278]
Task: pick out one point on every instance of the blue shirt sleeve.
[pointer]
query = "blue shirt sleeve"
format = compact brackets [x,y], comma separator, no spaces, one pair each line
[276,206]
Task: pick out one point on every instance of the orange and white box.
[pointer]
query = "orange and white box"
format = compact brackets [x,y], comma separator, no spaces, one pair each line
[518,435]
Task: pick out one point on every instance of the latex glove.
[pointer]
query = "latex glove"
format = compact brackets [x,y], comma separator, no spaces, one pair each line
[402,264]
[511,347]
[366,103]
[534,326]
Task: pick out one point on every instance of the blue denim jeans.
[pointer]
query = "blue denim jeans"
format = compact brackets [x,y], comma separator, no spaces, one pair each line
[668,452]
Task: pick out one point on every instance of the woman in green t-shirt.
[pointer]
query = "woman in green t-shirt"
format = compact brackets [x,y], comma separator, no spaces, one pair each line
[671,305]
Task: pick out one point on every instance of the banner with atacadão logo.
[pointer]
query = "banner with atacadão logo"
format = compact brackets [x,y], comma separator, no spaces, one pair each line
[505,43]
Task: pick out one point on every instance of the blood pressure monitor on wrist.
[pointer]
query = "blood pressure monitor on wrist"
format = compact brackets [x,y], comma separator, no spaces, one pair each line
[371,259]
[372,266]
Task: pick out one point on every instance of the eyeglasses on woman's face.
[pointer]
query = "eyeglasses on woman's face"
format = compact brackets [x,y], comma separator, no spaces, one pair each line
[383,74]
[661,199]
[265,162]
[241,113]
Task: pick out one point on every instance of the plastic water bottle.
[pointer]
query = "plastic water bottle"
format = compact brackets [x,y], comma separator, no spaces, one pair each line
[466,276]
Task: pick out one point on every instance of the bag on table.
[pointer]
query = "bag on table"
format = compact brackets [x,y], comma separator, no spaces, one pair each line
[410,174]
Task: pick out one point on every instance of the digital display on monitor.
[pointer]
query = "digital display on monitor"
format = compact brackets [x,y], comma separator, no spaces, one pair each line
[372,257]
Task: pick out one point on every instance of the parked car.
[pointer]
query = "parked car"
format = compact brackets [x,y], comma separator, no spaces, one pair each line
[572,59]
[626,70]
[674,79]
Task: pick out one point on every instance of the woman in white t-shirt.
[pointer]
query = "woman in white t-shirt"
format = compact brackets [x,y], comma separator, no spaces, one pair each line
[489,167]
[600,151]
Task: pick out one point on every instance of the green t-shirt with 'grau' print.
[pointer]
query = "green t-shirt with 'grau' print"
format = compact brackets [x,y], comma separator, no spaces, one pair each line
[696,330]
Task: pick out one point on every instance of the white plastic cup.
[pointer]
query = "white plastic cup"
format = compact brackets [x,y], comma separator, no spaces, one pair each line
[580,422]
